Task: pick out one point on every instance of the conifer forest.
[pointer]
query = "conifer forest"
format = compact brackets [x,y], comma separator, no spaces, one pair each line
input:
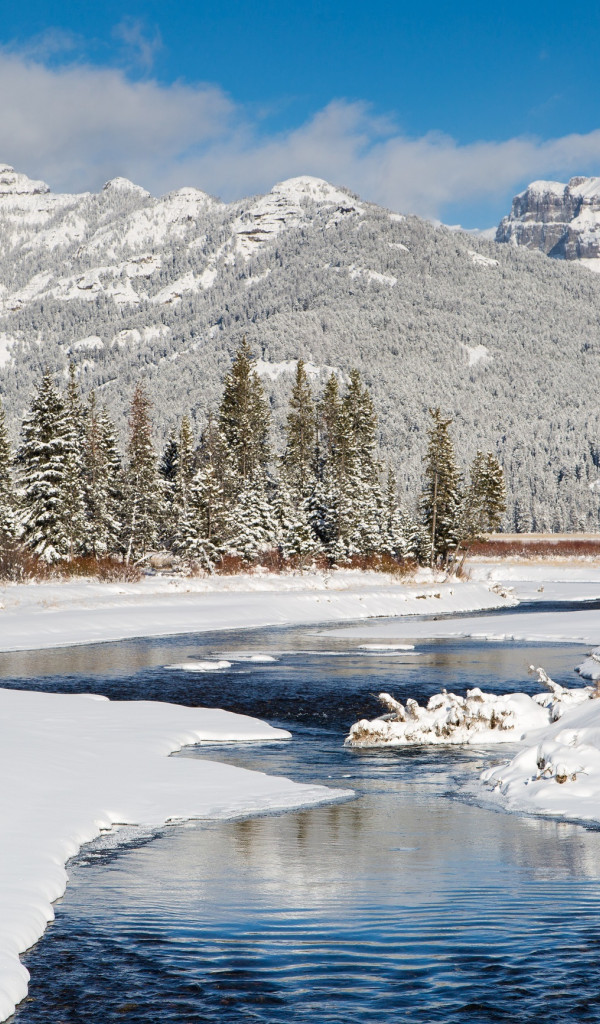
[225,500]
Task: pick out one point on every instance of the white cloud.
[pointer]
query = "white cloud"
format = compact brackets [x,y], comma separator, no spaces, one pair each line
[78,125]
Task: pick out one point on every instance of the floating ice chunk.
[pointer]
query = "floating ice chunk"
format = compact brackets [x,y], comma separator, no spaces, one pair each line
[387,647]
[199,666]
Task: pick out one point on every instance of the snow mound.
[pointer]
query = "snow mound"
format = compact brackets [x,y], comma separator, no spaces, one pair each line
[558,772]
[590,668]
[483,718]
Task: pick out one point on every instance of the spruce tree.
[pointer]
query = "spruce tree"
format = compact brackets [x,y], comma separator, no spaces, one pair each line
[8,518]
[491,485]
[102,468]
[41,462]
[299,458]
[244,418]
[254,528]
[74,496]
[295,537]
[200,530]
[441,495]
[142,486]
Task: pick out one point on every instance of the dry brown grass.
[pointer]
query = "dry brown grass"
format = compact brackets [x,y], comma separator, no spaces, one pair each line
[562,547]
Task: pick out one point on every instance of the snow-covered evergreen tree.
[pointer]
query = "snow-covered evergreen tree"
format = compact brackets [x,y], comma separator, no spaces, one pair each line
[244,418]
[440,500]
[74,496]
[200,530]
[253,524]
[101,472]
[295,537]
[41,462]
[8,518]
[299,457]
[142,485]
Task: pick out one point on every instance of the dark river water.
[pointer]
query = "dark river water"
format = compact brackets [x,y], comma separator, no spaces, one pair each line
[407,903]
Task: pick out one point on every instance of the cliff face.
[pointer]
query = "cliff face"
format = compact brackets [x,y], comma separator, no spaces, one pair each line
[561,220]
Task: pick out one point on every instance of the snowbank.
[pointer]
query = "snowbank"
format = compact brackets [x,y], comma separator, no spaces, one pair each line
[558,771]
[590,668]
[74,612]
[72,766]
[483,718]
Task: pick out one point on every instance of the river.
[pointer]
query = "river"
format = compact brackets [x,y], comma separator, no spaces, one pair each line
[407,903]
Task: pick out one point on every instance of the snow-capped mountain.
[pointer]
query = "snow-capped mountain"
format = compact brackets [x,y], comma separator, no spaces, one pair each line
[561,220]
[129,285]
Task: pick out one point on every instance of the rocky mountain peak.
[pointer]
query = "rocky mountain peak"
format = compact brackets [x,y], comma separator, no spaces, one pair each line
[12,183]
[562,220]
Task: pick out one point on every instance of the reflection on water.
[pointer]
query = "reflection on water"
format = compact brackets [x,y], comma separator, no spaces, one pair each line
[403,905]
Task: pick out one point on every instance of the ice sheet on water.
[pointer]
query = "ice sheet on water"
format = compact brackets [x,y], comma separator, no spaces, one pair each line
[199,666]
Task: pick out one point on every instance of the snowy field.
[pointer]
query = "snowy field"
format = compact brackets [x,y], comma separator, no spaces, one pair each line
[36,615]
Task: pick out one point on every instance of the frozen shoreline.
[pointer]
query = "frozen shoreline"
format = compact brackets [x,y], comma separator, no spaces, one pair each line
[39,615]
[76,765]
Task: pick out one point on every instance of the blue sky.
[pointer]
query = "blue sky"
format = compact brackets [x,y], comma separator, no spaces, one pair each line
[444,109]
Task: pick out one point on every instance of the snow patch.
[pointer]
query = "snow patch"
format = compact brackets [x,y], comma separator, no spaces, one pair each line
[476,353]
[481,260]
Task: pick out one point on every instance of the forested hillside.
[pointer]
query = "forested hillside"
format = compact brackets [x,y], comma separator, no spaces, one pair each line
[130,287]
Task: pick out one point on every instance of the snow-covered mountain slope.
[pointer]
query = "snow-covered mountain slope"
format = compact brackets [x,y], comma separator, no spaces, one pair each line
[130,285]
[561,220]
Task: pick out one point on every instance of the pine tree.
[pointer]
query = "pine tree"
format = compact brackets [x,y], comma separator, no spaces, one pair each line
[41,460]
[244,418]
[254,529]
[200,531]
[295,537]
[491,486]
[397,531]
[74,498]
[8,518]
[101,472]
[347,505]
[299,458]
[142,486]
[441,496]
[177,469]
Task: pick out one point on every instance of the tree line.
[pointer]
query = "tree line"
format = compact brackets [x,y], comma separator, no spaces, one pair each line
[226,498]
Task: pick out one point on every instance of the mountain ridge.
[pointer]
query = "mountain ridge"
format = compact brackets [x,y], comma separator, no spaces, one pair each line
[131,286]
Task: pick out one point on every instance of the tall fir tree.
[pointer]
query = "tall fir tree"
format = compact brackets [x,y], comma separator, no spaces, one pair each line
[142,485]
[102,470]
[244,418]
[299,457]
[41,462]
[440,500]
[74,496]
[200,532]
[8,517]
[253,524]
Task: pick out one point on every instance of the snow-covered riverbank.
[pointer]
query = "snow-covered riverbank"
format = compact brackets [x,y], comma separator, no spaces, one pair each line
[37,615]
[557,770]
[72,766]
